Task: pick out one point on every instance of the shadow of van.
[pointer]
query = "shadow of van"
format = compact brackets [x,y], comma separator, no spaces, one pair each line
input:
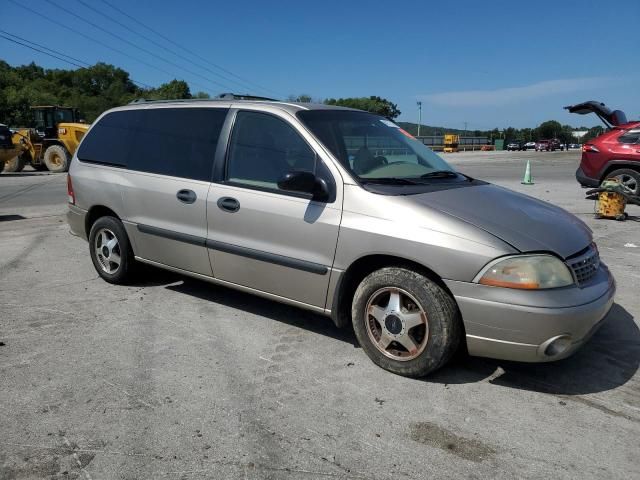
[610,359]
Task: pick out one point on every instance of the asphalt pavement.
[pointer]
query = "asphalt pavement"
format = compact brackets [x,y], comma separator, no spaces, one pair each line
[177,378]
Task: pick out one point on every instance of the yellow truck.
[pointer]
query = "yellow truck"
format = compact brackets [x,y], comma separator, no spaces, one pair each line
[48,146]
[451,142]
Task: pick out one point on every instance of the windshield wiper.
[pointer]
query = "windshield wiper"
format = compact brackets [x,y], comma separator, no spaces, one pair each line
[440,174]
[390,181]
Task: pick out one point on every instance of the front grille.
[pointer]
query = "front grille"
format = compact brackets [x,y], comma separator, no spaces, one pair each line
[584,265]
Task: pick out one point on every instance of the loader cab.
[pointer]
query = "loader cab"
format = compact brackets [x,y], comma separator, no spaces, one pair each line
[48,117]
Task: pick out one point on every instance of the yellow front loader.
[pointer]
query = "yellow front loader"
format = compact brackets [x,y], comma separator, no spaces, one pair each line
[53,141]
[13,145]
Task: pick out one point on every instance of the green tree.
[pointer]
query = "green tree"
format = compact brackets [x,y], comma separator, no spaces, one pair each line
[174,90]
[373,104]
[302,98]
[592,133]
[92,90]
[566,134]
[549,129]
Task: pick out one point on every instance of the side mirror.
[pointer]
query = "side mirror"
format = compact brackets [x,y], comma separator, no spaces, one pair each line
[305,182]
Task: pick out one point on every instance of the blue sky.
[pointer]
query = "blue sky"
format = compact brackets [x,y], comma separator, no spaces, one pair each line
[490,64]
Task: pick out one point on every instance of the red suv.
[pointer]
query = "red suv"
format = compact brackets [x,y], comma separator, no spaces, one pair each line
[615,153]
[549,145]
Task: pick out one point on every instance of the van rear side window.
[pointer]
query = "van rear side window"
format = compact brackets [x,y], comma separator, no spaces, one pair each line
[108,141]
[180,142]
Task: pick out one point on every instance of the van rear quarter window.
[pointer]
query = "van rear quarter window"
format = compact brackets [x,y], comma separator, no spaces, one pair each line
[108,141]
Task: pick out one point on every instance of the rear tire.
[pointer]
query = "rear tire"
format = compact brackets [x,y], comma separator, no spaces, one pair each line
[57,159]
[14,165]
[424,313]
[111,251]
[629,178]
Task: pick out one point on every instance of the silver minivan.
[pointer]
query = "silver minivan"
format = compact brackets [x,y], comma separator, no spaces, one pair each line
[341,212]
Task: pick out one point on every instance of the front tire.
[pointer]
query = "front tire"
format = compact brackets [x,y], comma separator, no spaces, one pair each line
[57,159]
[111,251]
[405,322]
[14,165]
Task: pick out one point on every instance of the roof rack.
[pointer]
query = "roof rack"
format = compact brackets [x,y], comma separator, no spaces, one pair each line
[221,97]
[235,96]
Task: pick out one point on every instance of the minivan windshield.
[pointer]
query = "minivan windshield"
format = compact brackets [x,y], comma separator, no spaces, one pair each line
[376,150]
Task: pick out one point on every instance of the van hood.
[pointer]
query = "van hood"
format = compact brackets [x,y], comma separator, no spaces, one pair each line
[525,223]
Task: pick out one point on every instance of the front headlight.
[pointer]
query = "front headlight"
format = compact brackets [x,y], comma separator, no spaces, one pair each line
[529,272]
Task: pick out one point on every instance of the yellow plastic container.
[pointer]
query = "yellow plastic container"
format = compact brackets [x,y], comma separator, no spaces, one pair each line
[611,205]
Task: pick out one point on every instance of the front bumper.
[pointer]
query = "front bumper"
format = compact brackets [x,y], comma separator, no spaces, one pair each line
[76,220]
[532,326]
[584,180]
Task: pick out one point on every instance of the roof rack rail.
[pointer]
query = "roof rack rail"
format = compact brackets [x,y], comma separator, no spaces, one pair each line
[221,97]
[235,96]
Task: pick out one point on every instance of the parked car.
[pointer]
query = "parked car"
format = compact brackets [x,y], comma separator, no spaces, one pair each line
[514,145]
[529,146]
[543,145]
[615,153]
[549,145]
[294,202]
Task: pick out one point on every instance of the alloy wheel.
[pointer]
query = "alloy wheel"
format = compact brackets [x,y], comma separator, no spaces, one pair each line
[107,251]
[628,181]
[396,324]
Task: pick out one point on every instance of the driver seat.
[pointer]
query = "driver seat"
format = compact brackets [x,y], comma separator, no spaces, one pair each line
[364,161]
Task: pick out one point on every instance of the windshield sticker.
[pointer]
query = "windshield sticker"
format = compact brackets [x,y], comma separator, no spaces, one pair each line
[406,134]
[389,123]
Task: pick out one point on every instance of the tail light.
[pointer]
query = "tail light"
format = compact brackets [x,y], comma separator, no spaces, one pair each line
[587,147]
[70,194]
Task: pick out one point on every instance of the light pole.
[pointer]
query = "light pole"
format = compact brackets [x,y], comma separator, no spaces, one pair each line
[419,116]
[462,140]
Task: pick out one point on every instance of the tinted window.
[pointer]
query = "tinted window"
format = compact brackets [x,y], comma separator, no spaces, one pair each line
[263,149]
[180,142]
[630,136]
[107,142]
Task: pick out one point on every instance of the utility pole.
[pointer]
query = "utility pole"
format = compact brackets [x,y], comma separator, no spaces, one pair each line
[464,134]
[419,116]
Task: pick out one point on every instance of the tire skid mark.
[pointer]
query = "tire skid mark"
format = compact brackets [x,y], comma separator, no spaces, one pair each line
[77,449]
[26,251]
[17,193]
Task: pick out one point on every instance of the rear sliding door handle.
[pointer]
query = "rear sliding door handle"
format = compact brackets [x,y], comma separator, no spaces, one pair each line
[186,196]
[228,204]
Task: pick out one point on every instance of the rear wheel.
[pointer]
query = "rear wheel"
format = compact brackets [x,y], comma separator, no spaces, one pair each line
[629,178]
[57,159]
[405,322]
[14,165]
[111,251]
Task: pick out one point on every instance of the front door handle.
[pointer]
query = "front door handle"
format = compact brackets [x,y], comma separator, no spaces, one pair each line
[228,204]
[186,196]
